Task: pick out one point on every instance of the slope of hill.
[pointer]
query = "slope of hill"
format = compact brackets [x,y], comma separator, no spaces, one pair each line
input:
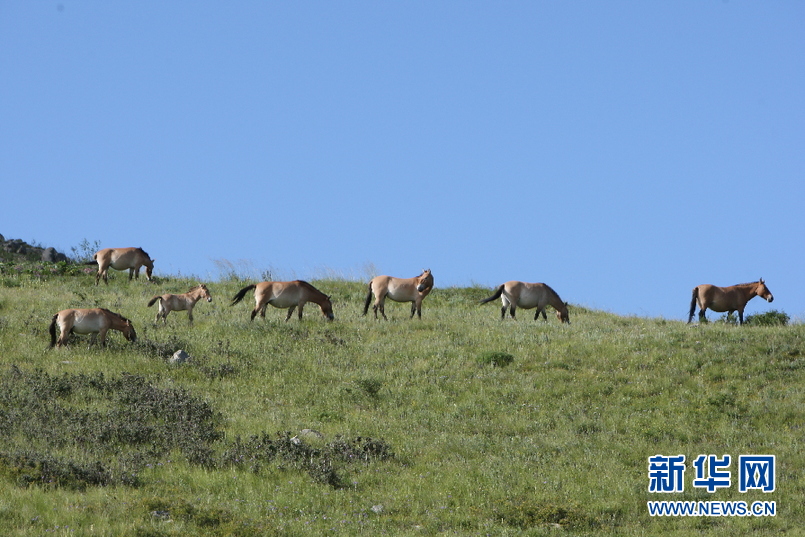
[459,423]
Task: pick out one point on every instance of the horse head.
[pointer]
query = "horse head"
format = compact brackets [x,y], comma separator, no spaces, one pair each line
[128,331]
[147,262]
[327,308]
[425,280]
[763,291]
[562,314]
[205,293]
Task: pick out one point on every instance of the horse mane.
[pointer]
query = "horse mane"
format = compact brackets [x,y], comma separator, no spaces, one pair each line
[139,249]
[309,287]
[116,315]
[549,288]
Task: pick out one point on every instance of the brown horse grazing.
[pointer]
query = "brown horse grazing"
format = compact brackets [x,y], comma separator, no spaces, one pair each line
[413,290]
[96,321]
[285,295]
[122,259]
[527,296]
[186,301]
[729,299]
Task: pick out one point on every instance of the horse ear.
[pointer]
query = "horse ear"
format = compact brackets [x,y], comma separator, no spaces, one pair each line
[761,280]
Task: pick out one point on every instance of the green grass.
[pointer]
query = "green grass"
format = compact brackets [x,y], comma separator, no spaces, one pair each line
[459,423]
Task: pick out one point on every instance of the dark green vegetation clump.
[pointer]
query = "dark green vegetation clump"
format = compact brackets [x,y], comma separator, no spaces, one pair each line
[115,425]
[320,463]
[768,318]
[133,424]
[524,513]
[495,358]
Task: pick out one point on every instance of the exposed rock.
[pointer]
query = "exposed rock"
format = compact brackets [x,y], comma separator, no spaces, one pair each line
[18,247]
[179,357]
[51,255]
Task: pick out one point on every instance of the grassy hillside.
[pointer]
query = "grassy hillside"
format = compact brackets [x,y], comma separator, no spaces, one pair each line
[459,423]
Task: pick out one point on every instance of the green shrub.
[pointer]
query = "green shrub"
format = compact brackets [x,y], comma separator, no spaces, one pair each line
[495,358]
[769,318]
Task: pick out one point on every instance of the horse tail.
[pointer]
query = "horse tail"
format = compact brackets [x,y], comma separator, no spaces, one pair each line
[238,297]
[693,302]
[498,292]
[368,299]
[153,301]
[52,330]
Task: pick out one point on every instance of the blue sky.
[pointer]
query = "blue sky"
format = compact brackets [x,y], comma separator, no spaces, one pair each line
[622,152]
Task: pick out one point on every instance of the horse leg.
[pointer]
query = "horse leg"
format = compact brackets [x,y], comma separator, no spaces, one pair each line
[290,312]
[512,309]
[506,303]
[702,317]
[65,333]
[301,307]
[413,310]
[380,304]
[536,315]
[190,313]
[102,336]
[741,316]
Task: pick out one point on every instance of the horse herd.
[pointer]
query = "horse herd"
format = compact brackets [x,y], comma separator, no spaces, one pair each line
[295,294]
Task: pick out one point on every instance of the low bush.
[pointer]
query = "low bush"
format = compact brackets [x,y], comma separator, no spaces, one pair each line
[495,358]
[769,318]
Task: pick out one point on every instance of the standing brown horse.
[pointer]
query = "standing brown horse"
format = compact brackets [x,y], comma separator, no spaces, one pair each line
[96,321]
[413,290]
[186,301]
[122,259]
[529,295]
[285,295]
[729,299]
